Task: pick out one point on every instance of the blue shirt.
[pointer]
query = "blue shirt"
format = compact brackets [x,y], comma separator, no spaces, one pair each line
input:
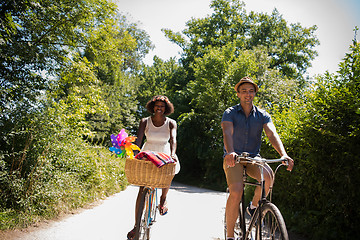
[247,131]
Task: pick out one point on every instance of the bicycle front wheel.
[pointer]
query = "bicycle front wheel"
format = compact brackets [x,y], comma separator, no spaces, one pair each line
[272,225]
[142,226]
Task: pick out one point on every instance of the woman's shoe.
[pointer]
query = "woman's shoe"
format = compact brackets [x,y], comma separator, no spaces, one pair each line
[163,209]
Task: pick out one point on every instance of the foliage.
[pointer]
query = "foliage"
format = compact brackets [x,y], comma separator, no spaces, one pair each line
[212,92]
[290,47]
[162,78]
[218,51]
[37,37]
[65,177]
[322,134]
[115,50]
[46,168]
[65,66]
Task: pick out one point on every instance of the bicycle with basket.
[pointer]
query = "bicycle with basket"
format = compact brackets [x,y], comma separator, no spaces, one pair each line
[144,173]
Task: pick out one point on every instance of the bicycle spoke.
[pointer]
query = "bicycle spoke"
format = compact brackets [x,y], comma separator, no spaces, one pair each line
[272,223]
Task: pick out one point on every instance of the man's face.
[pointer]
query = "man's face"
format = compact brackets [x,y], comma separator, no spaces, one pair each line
[246,93]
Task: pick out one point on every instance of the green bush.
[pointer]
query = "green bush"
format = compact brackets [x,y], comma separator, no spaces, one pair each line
[47,168]
[59,183]
[321,132]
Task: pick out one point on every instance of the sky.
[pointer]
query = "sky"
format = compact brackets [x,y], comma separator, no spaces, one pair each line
[335,19]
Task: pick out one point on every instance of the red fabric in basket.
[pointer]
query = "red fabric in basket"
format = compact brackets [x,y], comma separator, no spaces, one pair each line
[158,158]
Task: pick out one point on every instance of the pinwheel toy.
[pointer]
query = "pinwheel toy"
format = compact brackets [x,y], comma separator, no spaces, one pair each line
[121,136]
[123,142]
[129,146]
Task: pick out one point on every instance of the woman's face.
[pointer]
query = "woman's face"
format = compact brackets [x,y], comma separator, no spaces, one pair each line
[159,107]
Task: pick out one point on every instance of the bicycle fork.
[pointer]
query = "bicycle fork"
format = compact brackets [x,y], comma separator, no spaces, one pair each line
[151,203]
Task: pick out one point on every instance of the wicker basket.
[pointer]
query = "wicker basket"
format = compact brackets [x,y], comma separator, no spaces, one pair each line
[145,173]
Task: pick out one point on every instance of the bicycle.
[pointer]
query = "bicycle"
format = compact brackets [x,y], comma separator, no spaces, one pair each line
[146,215]
[145,174]
[267,221]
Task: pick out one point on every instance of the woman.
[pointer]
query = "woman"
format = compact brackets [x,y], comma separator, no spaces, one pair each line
[160,133]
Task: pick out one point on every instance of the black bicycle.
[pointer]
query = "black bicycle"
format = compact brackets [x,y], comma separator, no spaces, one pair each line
[267,221]
[146,215]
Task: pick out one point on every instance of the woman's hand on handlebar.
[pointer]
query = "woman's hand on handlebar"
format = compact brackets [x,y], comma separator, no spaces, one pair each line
[230,159]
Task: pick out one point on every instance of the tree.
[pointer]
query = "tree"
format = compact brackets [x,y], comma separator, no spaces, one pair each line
[115,50]
[220,49]
[162,78]
[62,63]
[36,39]
[321,131]
[211,91]
[40,64]
[290,47]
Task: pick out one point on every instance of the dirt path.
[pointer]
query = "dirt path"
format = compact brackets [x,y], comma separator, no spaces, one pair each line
[194,213]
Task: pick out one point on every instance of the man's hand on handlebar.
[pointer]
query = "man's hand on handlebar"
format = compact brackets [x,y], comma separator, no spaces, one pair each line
[230,159]
[289,162]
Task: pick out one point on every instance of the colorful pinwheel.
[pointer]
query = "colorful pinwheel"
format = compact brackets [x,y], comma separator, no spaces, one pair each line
[123,142]
[129,146]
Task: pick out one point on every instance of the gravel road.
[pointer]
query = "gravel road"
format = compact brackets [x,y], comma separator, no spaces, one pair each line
[194,213]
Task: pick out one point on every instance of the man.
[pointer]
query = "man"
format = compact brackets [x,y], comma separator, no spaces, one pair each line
[242,127]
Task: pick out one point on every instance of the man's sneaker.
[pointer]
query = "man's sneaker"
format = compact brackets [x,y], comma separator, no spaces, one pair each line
[250,211]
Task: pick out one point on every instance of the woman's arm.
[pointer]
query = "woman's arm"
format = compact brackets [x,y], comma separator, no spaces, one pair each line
[173,132]
[141,132]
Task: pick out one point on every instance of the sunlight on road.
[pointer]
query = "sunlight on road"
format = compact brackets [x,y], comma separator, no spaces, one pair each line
[194,213]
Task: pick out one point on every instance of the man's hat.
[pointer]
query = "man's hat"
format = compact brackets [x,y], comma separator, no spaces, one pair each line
[246,80]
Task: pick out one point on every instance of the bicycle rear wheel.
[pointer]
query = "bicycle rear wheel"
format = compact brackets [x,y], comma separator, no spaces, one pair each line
[272,225]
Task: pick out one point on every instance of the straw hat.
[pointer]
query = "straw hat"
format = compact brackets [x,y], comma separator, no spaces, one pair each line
[246,80]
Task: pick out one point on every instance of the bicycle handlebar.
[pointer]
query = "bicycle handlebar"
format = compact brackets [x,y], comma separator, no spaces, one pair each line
[245,158]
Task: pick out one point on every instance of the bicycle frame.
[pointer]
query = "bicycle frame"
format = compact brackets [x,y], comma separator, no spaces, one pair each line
[263,198]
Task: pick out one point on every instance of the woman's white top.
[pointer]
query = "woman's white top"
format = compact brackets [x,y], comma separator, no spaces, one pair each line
[157,139]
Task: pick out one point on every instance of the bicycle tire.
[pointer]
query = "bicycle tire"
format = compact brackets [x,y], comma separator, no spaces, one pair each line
[272,225]
[142,232]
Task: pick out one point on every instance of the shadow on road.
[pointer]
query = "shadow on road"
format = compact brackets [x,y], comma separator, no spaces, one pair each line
[180,187]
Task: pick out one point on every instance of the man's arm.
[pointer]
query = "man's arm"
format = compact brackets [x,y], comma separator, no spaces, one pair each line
[228,130]
[276,142]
